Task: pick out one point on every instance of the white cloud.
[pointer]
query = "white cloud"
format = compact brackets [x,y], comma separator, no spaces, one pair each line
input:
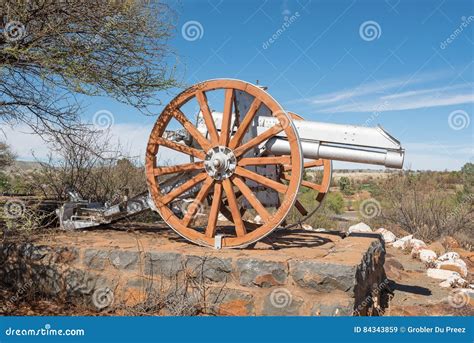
[391,95]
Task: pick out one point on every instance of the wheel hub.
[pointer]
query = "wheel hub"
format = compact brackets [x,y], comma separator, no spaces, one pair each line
[220,162]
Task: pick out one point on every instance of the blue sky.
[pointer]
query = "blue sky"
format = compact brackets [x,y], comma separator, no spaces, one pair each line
[407,65]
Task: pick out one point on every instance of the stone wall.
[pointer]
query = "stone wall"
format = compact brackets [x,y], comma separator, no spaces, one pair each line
[337,277]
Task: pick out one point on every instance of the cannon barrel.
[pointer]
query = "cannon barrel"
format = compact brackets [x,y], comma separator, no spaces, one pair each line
[347,153]
[348,143]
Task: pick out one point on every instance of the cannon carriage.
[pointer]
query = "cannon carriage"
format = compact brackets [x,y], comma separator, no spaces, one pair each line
[247,161]
[228,178]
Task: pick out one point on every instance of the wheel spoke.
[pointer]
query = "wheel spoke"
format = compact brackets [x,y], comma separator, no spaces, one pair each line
[207,115]
[305,183]
[279,187]
[299,206]
[214,213]
[226,117]
[310,164]
[202,141]
[255,161]
[243,127]
[178,168]
[192,209]
[183,188]
[258,139]
[179,147]
[234,208]
[252,198]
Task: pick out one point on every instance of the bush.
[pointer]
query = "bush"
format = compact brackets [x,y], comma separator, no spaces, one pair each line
[422,204]
[345,185]
[334,202]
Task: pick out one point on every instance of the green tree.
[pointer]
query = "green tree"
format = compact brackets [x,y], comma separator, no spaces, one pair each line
[51,51]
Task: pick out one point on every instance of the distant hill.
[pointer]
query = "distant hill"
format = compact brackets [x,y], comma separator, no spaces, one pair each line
[23,166]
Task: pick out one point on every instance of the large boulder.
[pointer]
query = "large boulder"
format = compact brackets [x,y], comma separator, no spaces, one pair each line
[387,236]
[360,228]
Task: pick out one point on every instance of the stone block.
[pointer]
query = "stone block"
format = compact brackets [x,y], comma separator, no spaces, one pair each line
[261,273]
[164,264]
[281,302]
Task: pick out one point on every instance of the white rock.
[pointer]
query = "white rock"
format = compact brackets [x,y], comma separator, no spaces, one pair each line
[307,227]
[454,281]
[258,219]
[387,236]
[441,274]
[417,244]
[427,255]
[360,228]
[449,256]
[221,217]
[458,266]
[403,242]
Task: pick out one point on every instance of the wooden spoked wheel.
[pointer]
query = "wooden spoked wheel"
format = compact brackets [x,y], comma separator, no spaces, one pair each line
[320,173]
[222,157]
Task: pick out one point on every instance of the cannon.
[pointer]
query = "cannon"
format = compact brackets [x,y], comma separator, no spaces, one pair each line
[228,178]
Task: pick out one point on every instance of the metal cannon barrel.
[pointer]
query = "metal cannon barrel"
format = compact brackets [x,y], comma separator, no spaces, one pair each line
[348,143]
[347,153]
